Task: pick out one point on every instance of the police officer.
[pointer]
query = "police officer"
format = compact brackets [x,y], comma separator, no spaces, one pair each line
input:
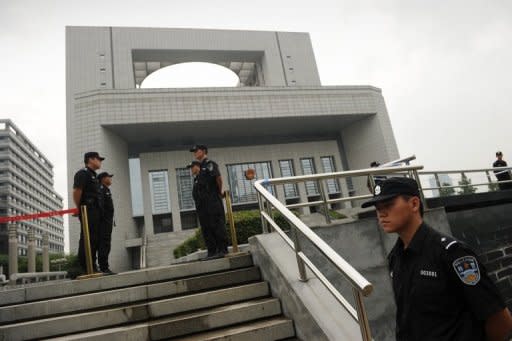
[503,175]
[208,196]
[442,291]
[377,179]
[107,221]
[86,191]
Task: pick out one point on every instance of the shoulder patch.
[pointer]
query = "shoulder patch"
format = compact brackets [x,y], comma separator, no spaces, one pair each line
[467,269]
[210,166]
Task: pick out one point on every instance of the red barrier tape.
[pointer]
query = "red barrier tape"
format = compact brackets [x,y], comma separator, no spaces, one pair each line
[38,215]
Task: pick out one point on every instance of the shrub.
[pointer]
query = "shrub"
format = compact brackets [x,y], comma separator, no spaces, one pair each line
[247,224]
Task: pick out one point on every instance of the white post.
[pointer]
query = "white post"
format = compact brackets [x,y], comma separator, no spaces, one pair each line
[13,250]
[31,251]
[46,255]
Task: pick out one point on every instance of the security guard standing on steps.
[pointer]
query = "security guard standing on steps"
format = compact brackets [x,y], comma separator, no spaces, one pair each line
[442,291]
[208,196]
[107,221]
[86,191]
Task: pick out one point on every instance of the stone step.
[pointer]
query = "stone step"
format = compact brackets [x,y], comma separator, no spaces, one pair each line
[74,304]
[199,321]
[278,328]
[122,280]
[214,318]
[106,318]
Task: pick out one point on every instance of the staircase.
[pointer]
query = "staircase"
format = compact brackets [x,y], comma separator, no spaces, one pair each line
[223,299]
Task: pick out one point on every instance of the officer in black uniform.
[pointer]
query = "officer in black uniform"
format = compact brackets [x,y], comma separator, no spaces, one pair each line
[107,221]
[441,290]
[377,179]
[502,175]
[208,196]
[86,191]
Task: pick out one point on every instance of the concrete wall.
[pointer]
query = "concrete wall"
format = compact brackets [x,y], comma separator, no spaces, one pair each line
[369,140]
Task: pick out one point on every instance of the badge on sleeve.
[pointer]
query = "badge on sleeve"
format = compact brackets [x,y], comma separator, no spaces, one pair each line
[467,270]
[210,166]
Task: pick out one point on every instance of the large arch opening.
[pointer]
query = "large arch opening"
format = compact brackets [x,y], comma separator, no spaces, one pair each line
[191,75]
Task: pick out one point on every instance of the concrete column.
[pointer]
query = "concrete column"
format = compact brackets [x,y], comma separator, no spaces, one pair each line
[46,255]
[31,251]
[13,250]
[175,200]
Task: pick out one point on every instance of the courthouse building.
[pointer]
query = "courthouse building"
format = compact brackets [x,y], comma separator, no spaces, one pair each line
[280,121]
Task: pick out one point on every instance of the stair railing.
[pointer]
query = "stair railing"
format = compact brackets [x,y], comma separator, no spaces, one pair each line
[361,287]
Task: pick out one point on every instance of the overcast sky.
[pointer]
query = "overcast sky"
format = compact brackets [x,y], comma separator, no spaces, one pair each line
[444,67]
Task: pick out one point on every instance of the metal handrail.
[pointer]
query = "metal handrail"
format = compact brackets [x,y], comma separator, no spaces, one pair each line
[487,171]
[361,286]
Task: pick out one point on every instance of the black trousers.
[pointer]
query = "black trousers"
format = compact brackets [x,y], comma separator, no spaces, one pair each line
[504,177]
[213,229]
[93,218]
[105,241]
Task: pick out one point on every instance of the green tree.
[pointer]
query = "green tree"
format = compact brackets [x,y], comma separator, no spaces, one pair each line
[467,187]
[446,192]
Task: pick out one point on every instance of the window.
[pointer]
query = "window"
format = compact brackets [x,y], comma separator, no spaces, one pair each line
[308,167]
[328,167]
[243,190]
[290,190]
[159,188]
[162,223]
[185,184]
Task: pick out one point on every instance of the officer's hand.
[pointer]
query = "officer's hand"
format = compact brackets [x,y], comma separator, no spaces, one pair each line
[222,194]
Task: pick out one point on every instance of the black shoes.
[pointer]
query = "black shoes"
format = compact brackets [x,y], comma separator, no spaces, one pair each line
[108,272]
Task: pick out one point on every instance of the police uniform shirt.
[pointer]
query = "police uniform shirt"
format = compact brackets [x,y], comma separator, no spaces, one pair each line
[205,191]
[501,175]
[107,202]
[441,290]
[86,180]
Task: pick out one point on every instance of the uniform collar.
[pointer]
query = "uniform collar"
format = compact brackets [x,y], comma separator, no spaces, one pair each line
[417,241]
[90,170]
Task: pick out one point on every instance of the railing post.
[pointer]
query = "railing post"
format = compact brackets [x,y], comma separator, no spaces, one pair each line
[362,317]
[436,176]
[422,195]
[300,263]
[488,176]
[372,183]
[323,194]
[232,229]
[264,225]
[268,208]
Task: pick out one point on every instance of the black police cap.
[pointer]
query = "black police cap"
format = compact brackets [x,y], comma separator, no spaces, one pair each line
[393,187]
[199,146]
[104,174]
[92,155]
[194,163]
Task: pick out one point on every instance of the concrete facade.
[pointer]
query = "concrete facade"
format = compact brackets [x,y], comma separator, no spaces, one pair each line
[26,187]
[281,112]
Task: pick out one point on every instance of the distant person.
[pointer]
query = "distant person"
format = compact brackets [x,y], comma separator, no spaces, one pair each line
[376,178]
[441,290]
[502,175]
[208,196]
[86,191]
[106,223]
